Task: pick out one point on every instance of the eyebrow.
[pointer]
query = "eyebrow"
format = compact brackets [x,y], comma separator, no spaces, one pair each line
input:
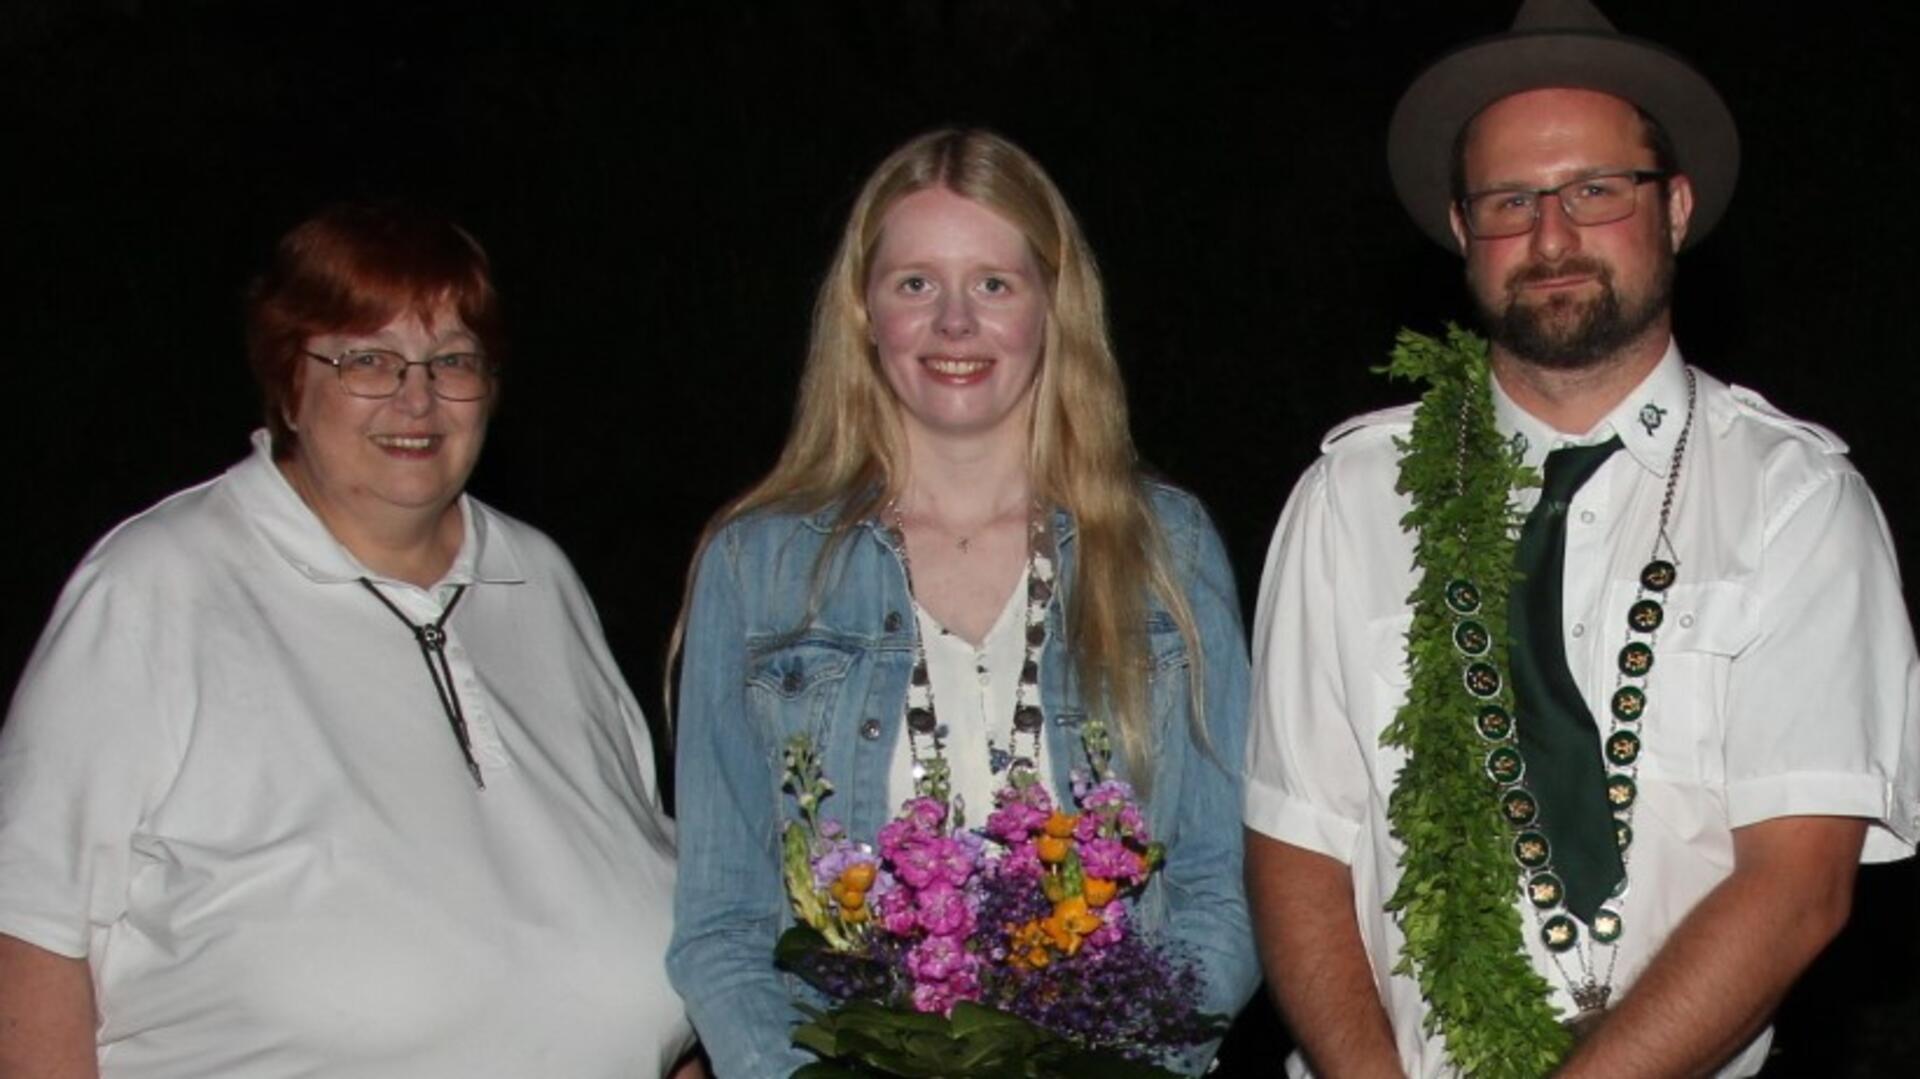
[1578,175]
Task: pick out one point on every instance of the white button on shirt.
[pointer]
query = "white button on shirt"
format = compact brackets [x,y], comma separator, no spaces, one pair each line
[227,781]
[1785,682]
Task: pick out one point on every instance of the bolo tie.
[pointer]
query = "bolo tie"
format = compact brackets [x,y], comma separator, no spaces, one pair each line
[432,639]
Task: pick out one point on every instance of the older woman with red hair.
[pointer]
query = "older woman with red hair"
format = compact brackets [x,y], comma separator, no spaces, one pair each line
[323,767]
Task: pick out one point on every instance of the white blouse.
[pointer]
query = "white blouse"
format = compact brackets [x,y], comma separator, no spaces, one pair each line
[973,697]
[228,783]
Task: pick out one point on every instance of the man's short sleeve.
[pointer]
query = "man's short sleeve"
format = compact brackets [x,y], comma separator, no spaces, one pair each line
[1306,778]
[1822,705]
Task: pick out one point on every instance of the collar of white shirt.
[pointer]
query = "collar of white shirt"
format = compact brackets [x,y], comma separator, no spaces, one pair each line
[297,535]
[1648,420]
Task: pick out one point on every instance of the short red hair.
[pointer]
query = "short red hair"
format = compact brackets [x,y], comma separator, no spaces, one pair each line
[353,268]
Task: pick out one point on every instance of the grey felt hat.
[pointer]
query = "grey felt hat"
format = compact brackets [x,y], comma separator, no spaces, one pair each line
[1559,43]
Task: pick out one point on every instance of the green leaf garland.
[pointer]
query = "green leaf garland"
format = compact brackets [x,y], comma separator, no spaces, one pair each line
[1455,902]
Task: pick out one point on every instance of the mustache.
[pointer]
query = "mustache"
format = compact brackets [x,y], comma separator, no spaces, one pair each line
[1541,271]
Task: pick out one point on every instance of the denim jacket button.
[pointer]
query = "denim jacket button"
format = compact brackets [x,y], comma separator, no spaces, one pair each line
[870,729]
[791,682]
[892,624]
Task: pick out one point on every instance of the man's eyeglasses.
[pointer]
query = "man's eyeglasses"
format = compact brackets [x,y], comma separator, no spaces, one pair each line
[376,372]
[1590,200]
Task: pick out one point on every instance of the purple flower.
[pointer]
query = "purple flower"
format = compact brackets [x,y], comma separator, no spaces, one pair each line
[927,861]
[1112,860]
[828,867]
[1113,927]
[938,958]
[1021,861]
[927,814]
[944,911]
[897,912]
[1020,813]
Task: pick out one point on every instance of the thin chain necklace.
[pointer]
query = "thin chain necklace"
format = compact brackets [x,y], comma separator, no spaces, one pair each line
[432,639]
[926,735]
[1545,892]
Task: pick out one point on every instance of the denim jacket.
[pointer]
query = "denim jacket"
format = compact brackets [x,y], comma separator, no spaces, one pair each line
[757,670]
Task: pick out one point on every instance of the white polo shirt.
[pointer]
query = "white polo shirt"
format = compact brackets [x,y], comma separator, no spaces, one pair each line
[227,781]
[1785,682]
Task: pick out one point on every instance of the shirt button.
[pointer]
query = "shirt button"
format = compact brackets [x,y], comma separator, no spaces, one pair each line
[870,730]
[892,623]
[1579,629]
[1686,621]
[1586,517]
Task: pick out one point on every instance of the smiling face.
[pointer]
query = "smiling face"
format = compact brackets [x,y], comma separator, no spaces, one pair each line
[1566,296]
[371,465]
[957,310]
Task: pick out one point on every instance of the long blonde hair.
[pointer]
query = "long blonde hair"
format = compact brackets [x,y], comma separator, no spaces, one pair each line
[847,448]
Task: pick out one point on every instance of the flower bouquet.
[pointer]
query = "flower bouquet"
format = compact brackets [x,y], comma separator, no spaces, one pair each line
[1004,951]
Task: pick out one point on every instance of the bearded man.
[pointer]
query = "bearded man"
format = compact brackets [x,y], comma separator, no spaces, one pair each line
[1607,749]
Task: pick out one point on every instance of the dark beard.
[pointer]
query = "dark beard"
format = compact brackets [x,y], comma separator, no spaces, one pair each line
[1600,328]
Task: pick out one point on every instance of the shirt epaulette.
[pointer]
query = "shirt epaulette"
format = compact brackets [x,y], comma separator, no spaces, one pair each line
[1353,432]
[1752,404]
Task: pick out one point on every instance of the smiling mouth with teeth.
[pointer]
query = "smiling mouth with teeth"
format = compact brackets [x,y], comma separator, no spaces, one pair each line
[405,442]
[952,365]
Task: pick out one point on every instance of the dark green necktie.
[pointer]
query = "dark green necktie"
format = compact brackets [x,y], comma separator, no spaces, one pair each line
[1557,733]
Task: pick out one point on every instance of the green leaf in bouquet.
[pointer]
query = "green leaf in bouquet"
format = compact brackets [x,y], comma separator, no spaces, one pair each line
[797,945]
[975,1020]
[823,1069]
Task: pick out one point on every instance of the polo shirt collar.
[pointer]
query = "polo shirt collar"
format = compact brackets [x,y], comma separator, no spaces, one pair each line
[297,534]
[1648,419]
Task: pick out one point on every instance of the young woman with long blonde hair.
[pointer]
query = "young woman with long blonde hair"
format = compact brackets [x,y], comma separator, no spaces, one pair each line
[961,434]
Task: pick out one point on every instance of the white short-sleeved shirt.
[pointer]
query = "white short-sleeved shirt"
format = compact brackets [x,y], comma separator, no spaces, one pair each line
[1785,682]
[227,781]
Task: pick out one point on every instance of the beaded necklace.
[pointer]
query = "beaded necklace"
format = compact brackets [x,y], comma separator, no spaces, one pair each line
[926,735]
[1532,851]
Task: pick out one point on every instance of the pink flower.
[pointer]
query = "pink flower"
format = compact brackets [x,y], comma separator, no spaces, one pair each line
[898,915]
[1113,927]
[927,861]
[1015,822]
[1023,861]
[926,814]
[944,910]
[939,958]
[1110,858]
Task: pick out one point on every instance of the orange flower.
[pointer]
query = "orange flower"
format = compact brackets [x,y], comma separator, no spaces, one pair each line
[1050,849]
[1070,921]
[854,915]
[1060,825]
[859,875]
[1028,946]
[1099,891]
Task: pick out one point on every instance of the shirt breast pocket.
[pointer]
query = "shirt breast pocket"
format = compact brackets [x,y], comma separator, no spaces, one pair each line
[793,685]
[1705,629]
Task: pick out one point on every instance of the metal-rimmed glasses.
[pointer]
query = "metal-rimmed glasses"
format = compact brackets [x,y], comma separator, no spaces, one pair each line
[379,372]
[1589,200]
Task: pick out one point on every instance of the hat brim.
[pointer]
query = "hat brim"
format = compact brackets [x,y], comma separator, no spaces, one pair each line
[1447,95]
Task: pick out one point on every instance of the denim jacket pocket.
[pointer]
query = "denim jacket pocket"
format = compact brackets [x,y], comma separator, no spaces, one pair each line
[793,684]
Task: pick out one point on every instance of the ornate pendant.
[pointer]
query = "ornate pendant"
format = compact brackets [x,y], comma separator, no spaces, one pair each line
[1591,997]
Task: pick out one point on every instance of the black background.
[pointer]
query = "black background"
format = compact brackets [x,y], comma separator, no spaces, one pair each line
[661,185]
